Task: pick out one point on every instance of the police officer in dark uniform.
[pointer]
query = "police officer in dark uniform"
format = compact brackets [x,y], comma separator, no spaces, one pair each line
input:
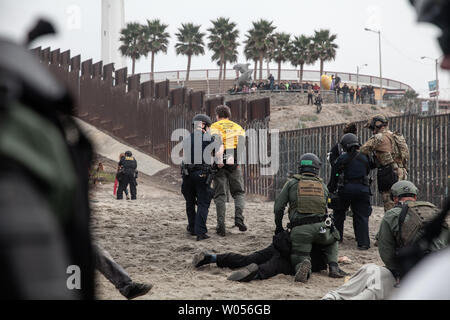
[197,172]
[127,175]
[352,184]
[337,149]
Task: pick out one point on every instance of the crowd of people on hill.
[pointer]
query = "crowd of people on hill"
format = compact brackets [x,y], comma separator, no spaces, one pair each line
[270,85]
[343,93]
[358,95]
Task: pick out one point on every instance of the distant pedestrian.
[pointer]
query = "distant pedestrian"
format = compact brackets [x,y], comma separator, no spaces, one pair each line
[310,95]
[351,94]
[127,175]
[337,91]
[345,91]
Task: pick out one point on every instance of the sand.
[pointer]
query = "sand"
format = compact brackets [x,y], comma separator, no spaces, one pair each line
[148,238]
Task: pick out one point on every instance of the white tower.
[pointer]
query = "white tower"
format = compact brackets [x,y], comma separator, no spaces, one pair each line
[113,20]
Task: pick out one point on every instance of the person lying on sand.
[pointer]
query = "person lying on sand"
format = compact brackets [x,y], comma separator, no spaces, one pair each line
[262,264]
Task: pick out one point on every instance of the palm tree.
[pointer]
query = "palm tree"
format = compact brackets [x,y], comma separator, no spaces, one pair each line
[324,47]
[156,39]
[281,49]
[260,34]
[231,56]
[131,38]
[222,39]
[190,42]
[251,52]
[301,53]
[271,43]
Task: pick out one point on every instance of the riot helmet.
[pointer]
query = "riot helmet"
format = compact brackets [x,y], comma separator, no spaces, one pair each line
[310,163]
[203,118]
[349,140]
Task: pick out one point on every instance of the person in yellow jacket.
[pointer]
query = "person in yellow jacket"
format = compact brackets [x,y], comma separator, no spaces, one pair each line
[229,172]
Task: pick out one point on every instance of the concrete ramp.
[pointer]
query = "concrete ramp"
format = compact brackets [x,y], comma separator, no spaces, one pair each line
[110,148]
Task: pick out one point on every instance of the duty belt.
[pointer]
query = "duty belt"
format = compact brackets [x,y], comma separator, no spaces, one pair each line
[306,220]
[196,167]
[362,180]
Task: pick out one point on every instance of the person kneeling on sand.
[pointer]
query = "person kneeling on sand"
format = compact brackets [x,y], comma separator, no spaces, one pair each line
[262,264]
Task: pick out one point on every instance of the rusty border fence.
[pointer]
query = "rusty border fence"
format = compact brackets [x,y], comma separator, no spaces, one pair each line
[140,114]
[427,138]
[145,115]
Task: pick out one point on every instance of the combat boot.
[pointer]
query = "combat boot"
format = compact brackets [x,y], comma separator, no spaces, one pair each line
[134,290]
[201,259]
[335,271]
[242,227]
[304,271]
[201,237]
[191,232]
[246,274]
[221,231]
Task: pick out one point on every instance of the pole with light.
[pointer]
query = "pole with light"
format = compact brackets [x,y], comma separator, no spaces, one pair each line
[357,73]
[436,61]
[379,48]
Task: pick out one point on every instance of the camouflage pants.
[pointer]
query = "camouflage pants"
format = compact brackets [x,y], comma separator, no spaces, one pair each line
[386,195]
[234,179]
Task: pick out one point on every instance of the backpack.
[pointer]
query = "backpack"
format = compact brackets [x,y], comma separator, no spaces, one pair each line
[400,149]
[413,217]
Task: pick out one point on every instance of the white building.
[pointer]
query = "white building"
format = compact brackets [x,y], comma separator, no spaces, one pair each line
[113,20]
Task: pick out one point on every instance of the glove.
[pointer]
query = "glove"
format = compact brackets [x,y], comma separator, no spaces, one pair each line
[279,229]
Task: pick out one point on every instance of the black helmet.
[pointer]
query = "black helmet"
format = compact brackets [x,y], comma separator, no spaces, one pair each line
[376,121]
[128,154]
[309,162]
[349,140]
[203,118]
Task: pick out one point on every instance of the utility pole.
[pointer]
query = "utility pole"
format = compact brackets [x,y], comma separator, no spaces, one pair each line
[357,73]
[379,49]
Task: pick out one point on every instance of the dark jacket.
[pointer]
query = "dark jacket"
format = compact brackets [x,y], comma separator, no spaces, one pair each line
[129,165]
[354,172]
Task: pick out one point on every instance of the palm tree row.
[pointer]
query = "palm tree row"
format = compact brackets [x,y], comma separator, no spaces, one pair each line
[261,44]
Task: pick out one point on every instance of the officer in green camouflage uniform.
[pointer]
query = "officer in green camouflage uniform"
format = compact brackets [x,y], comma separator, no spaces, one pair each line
[309,223]
[391,156]
[394,234]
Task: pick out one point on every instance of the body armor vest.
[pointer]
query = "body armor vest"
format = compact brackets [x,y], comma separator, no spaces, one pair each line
[310,195]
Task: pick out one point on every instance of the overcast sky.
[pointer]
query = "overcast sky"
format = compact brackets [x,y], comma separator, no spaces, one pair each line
[404,40]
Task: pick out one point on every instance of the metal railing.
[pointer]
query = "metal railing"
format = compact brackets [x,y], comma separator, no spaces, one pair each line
[286,75]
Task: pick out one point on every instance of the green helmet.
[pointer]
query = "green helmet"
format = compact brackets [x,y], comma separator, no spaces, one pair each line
[309,162]
[403,187]
[376,121]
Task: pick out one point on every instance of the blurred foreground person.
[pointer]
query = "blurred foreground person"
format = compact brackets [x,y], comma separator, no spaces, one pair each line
[45,159]
[117,275]
[430,279]
[401,227]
